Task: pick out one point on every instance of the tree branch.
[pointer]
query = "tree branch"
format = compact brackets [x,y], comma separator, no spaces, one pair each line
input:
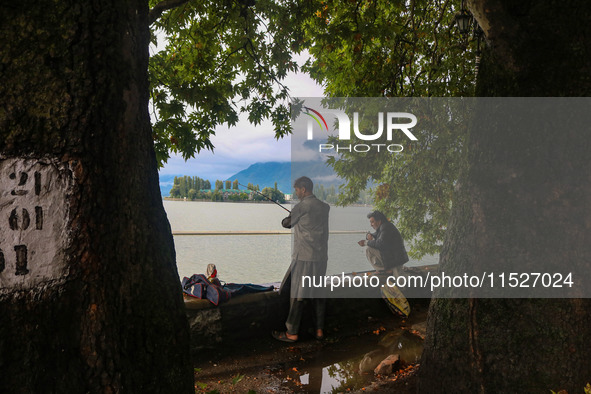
[254,57]
[163,6]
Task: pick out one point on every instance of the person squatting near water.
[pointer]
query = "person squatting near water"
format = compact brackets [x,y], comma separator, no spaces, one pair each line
[309,221]
[385,248]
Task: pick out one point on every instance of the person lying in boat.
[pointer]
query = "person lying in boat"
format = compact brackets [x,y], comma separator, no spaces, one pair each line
[385,248]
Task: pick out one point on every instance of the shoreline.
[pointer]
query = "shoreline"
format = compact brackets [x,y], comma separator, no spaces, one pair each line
[232,202]
[287,202]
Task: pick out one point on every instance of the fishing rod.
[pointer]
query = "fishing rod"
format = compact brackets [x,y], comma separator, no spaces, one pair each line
[270,199]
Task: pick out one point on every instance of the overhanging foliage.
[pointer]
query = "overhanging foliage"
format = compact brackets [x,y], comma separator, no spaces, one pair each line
[223,58]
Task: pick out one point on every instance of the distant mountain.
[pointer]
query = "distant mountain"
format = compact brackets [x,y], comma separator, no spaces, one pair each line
[166,182]
[265,175]
[262,174]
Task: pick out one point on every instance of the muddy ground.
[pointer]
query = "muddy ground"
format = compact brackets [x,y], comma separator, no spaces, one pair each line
[343,362]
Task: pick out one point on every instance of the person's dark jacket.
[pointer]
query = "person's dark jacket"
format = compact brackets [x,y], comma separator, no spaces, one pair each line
[388,241]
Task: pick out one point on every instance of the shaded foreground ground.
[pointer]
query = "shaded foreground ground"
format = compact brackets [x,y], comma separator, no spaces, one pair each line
[343,362]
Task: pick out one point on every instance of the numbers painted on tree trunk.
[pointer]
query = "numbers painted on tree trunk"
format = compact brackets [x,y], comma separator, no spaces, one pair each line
[33,220]
[20,218]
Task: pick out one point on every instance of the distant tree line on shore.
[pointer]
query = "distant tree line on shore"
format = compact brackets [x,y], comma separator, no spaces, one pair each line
[196,188]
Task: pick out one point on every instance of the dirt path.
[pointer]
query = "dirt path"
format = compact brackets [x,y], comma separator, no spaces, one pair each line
[343,362]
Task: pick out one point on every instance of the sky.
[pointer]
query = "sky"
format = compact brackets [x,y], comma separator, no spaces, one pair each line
[238,147]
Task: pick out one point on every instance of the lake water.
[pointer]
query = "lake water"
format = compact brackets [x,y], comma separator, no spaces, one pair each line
[259,258]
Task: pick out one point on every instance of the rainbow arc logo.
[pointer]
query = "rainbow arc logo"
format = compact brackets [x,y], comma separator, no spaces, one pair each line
[317,117]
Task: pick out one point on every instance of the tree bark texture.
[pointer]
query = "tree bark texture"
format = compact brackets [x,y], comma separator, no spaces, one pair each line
[73,101]
[523,203]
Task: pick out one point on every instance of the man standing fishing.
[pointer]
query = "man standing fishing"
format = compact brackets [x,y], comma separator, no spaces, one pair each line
[309,220]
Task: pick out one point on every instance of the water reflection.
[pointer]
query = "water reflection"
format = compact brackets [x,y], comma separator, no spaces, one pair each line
[334,378]
[352,366]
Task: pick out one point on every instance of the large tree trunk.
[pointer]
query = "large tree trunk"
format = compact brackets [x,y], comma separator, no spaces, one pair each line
[90,298]
[526,196]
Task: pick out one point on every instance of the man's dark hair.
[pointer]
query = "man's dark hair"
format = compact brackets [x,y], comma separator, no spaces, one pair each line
[377,215]
[304,182]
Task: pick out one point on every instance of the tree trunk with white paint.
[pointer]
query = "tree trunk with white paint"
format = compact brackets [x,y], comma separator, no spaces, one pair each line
[524,199]
[90,298]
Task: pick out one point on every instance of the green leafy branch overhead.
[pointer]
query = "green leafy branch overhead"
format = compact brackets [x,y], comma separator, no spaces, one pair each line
[397,49]
[220,58]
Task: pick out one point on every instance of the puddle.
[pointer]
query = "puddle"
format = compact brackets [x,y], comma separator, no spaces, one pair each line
[334,378]
[334,370]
